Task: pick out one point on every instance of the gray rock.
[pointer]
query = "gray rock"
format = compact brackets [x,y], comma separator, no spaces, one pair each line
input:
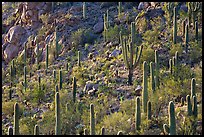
[138,89]
[98,27]
[90,86]
[115,53]
[184,8]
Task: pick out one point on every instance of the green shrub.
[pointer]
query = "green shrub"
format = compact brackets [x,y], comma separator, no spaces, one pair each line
[174,48]
[147,55]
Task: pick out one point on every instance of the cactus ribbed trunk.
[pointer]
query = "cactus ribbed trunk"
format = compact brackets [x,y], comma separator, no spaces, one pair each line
[79,59]
[193,83]
[56,43]
[60,79]
[170,66]
[186,38]
[74,89]
[10,130]
[85,131]
[175,26]
[47,56]
[189,105]
[92,120]
[152,77]
[172,120]
[145,84]
[25,80]
[119,8]
[130,75]
[37,57]
[57,114]
[137,114]
[195,107]
[156,69]
[36,130]
[16,119]
[104,27]
[84,10]
[102,131]
[196,31]
[149,110]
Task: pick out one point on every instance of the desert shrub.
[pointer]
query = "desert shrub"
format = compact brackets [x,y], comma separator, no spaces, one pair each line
[115,122]
[174,48]
[44,18]
[147,55]
[113,33]
[82,36]
[195,52]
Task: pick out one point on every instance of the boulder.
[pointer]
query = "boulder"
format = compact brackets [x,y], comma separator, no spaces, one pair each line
[10,52]
[15,34]
[115,53]
[98,27]
[143,5]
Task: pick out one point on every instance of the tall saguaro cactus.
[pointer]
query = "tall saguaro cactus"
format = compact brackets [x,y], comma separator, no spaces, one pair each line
[195,107]
[196,31]
[57,114]
[193,83]
[152,76]
[130,61]
[92,120]
[149,114]
[36,130]
[60,79]
[137,114]
[56,43]
[145,84]
[119,8]
[16,119]
[47,56]
[175,26]
[74,89]
[189,105]
[10,130]
[25,80]
[25,53]
[170,66]
[84,10]
[171,129]
[193,9]
[79,59]
[102,131]
[104,27]
[156,69]
[186,38]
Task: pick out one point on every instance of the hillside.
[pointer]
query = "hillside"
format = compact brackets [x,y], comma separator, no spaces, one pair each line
[132,68]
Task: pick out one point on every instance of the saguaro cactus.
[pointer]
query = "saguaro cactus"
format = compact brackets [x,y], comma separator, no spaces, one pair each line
[137,114]
[36,130]
[149,114]
[196,31]
[67,66]
[175,26]
[182,101]
[92,120]
[120,133]
[186,38]
[189,105]
[16,119]
[25,53]
[193,9]
[183,27]
[145,84]
[74,89]
[56,42]
[79,59]
[152,76]
[10,130]
[170,66]
[84,10]
[195,107]
[60,79]
[37,56]
[104,27]
[25,80]
[102,131]
[13,68]
[156,69]
[57,114]
[129,60]
[11,75]
[119,8]
[47,56]
[171,129]
[85,131]
[39,83]
[193,83]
